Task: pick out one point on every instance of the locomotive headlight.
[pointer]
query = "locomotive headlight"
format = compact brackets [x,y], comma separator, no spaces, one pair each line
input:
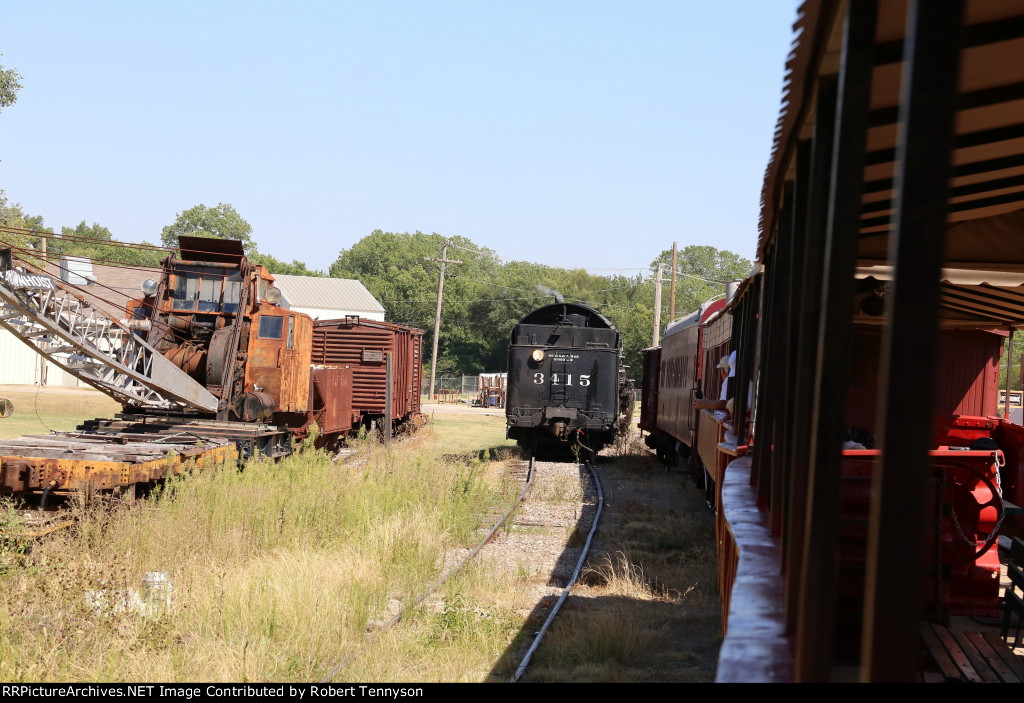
[273,295]
[149,287]
[538,355]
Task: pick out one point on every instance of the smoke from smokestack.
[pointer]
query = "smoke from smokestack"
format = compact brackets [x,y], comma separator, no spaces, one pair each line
[550,291]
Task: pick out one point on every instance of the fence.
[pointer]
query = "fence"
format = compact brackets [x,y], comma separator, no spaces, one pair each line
[484,389]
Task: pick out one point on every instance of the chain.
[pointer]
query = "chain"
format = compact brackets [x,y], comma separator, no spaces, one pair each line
[1000,461]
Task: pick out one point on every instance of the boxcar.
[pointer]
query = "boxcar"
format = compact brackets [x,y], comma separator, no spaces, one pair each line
[365,346]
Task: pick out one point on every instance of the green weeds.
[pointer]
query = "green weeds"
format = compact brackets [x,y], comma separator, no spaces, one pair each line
[276,569]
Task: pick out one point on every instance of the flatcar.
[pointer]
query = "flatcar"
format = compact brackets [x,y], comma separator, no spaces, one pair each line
[207,357]
[566,380]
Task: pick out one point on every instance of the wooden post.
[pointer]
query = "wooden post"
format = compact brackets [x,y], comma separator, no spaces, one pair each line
[672,297]
[388,395]
[1009,373]
[819,584]
[900,502]
[437,312]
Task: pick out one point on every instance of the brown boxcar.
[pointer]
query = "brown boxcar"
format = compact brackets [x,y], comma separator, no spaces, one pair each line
[364,345]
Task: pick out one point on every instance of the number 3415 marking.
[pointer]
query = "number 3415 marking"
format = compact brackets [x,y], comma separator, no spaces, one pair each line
[584,379]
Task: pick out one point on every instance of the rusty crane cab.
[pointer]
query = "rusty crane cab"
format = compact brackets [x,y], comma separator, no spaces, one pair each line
[216,316]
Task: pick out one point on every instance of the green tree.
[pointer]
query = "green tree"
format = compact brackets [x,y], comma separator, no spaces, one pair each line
[96,243]
[701,274]
[484,297]
[1012,363]
[396,268]
[13,217]
[9,86]
[295,268]
[220,222]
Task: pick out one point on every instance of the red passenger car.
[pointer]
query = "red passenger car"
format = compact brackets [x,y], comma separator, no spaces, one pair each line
[871,475]
[673,377]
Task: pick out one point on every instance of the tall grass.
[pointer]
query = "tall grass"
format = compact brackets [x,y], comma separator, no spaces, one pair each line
[647,607]
[277,570]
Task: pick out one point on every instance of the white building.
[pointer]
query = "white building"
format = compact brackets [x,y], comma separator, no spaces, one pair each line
[328,298]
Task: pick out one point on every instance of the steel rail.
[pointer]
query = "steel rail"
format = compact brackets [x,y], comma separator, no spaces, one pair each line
[572,581]
[433,587]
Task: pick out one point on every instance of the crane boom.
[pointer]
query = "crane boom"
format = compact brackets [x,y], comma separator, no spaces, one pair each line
[92,346]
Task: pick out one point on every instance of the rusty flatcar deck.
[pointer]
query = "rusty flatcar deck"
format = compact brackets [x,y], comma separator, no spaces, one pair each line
[70,461]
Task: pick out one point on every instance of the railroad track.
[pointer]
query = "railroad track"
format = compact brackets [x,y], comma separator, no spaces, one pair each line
[532,514]
[591,506]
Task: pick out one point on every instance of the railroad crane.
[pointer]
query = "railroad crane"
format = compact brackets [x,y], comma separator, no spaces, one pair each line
[206,365]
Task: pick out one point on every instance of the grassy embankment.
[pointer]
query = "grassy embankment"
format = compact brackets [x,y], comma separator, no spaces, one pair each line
[277,570]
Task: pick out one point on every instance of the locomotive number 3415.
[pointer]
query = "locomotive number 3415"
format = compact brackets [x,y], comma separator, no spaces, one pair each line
[564,379]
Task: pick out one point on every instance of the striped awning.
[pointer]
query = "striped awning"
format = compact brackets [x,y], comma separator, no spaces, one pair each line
[983,303]
[965,305]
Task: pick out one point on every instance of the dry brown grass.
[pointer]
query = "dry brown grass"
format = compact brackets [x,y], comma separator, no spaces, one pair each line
[279,572]
[647,607]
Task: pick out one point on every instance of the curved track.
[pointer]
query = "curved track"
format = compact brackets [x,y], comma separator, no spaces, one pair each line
[527,479]
[526,475]
[572,580]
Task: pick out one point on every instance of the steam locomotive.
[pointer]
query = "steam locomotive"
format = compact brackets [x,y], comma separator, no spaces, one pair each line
[566,382]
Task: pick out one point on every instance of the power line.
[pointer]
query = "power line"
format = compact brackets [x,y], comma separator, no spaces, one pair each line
[470,300]
[42,234]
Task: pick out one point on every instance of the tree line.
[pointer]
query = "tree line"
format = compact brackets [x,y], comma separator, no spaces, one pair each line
[484,296]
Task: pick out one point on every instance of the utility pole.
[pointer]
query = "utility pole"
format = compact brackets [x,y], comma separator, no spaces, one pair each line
[43,371]
[672,301]
[437,313]
[657,308]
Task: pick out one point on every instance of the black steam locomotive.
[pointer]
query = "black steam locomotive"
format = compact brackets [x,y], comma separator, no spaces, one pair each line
[566,381]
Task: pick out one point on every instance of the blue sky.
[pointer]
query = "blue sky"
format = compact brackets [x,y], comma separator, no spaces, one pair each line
[575,134]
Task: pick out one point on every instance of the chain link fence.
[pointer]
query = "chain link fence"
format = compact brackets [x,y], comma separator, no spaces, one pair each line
[455,389]
[484,389]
